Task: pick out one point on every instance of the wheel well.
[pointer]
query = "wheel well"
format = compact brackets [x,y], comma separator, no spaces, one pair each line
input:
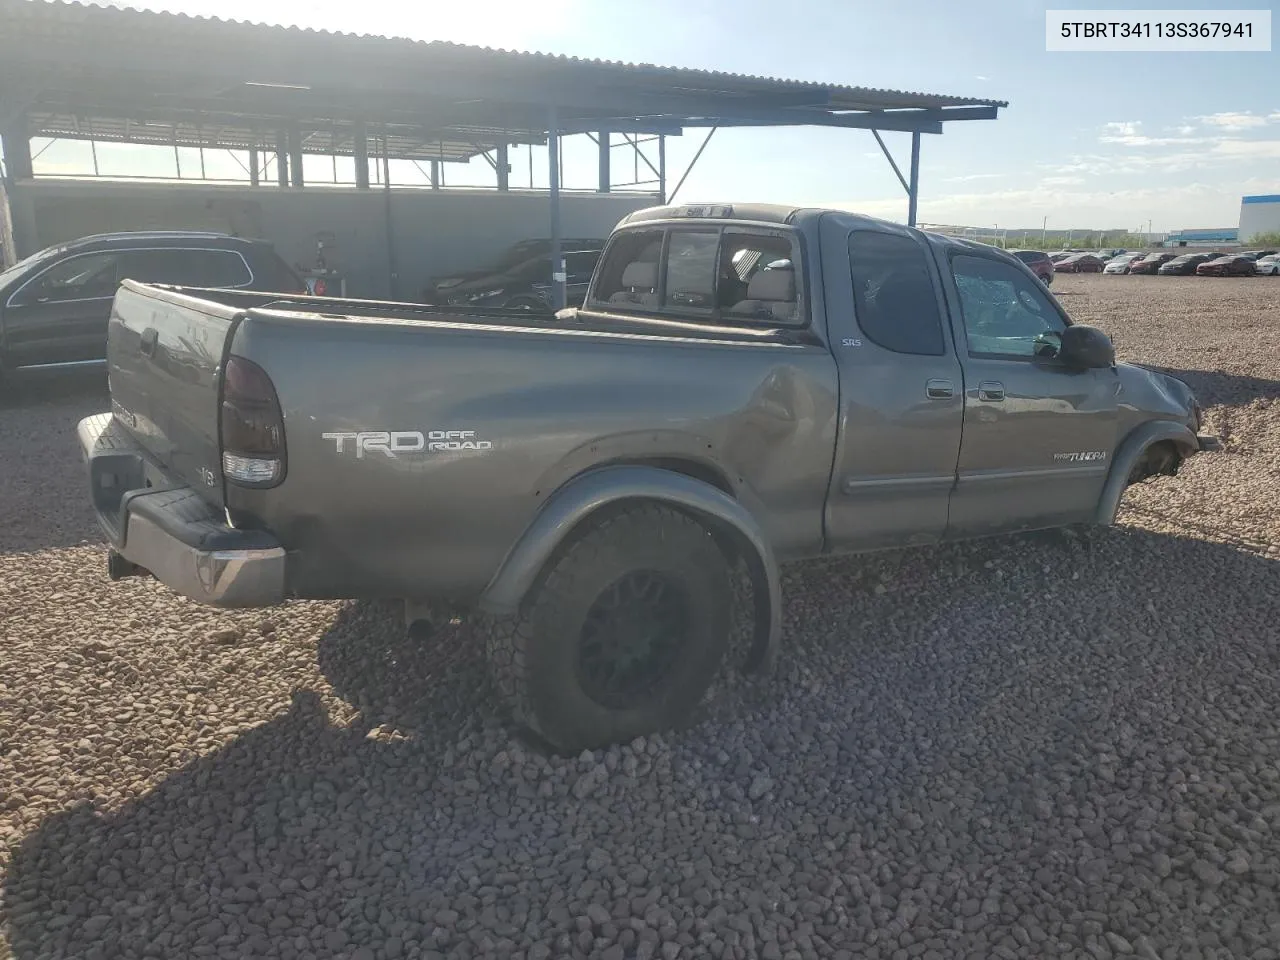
[1160,458]
[693,469]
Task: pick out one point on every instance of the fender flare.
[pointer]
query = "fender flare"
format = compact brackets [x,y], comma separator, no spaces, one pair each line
[726,518]
[1131,448]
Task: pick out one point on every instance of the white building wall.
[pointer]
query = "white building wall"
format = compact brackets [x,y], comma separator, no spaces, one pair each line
[1259,215]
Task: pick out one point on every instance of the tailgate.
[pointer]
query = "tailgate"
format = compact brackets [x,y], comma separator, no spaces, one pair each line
[164,353]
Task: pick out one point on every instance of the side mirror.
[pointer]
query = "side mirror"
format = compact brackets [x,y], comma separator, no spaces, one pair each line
[1087,347]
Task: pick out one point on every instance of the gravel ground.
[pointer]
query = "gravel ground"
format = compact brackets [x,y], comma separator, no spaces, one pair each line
[1049,746]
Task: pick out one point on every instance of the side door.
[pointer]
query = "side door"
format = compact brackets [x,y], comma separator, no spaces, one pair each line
[60,315]
[901,390]
[1038,434]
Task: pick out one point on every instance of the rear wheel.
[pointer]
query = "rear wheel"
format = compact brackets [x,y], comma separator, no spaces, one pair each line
[622,634]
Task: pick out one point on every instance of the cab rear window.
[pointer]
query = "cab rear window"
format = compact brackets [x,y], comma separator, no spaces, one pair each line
[734,275]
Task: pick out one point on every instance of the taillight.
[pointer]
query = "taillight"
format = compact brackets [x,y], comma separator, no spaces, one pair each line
[253,453]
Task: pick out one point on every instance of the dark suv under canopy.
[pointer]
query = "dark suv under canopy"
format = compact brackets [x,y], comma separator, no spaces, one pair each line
[55,304]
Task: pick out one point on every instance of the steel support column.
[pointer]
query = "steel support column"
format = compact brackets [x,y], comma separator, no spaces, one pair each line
[503,166]
[662,168]
[913,190]
[553,179]
[606,154]
[255,166]
[393,273]
[295,156]
[360,153]
[435,174]
[16,143]
[282,158]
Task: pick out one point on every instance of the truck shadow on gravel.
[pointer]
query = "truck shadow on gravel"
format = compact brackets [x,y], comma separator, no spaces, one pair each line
[1219,387]
[914,704]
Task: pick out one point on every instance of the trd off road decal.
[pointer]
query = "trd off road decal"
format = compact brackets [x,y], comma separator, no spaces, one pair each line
[393,443]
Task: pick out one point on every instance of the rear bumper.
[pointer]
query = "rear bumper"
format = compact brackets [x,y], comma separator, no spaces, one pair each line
[168,530]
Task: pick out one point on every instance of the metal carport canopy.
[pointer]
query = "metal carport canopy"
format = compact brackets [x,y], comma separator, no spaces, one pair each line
[77,70]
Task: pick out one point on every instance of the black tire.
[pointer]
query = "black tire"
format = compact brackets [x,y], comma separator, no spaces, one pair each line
[547,660]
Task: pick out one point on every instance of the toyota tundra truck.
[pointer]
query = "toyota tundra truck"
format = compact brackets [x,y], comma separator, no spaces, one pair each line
[743,386]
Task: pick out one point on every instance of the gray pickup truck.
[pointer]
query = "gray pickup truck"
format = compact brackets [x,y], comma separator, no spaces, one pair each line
[743,386]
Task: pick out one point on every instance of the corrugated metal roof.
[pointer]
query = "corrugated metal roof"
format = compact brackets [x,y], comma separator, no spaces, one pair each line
[144,77]
[112,16]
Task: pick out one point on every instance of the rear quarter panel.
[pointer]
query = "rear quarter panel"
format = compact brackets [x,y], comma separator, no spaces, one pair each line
[552,404]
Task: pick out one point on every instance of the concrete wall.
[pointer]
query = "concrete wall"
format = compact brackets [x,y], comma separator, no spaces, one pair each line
[432,232]
[1259,215]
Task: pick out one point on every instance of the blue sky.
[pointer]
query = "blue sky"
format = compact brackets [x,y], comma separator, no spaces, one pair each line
[1089,139]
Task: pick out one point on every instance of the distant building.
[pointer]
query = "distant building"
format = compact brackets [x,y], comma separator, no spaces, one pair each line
[1193,238]
[1259,215]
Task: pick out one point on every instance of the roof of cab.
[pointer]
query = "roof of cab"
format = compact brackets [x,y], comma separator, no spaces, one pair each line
[784,214]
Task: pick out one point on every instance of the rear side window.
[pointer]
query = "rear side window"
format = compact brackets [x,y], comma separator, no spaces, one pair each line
[579,266]
[893,294]
[187,268]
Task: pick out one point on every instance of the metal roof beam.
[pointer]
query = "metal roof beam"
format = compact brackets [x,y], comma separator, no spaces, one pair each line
[908,121]
[620,125]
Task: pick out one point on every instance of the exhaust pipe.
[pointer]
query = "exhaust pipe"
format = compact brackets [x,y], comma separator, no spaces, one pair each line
[118,567]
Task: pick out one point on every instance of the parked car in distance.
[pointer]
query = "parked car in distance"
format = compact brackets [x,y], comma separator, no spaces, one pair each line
[1230,265]
[1185,265]
[1268,266]
[1079,263]
[55,304]
[527,285]
[1121,262]
[1061,255]
[1039,263]
[750,384]
[1151,263]
[1257,254]
[440,289]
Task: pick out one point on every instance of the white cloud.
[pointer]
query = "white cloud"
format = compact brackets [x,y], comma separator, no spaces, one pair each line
[972,176]
[1248,149]
[1141,140]
[1060,181]
[1185,130]
[1233,121]
[1122,128]
[979,76]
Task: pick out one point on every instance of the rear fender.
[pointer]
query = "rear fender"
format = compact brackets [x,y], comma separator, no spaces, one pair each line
[1130,452]
[587,493]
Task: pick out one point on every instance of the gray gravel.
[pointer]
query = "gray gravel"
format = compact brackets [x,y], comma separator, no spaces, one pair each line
[1051,746]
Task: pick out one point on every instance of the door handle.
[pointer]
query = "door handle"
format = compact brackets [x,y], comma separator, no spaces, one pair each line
[149,338]
[991,390]
[939,389]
